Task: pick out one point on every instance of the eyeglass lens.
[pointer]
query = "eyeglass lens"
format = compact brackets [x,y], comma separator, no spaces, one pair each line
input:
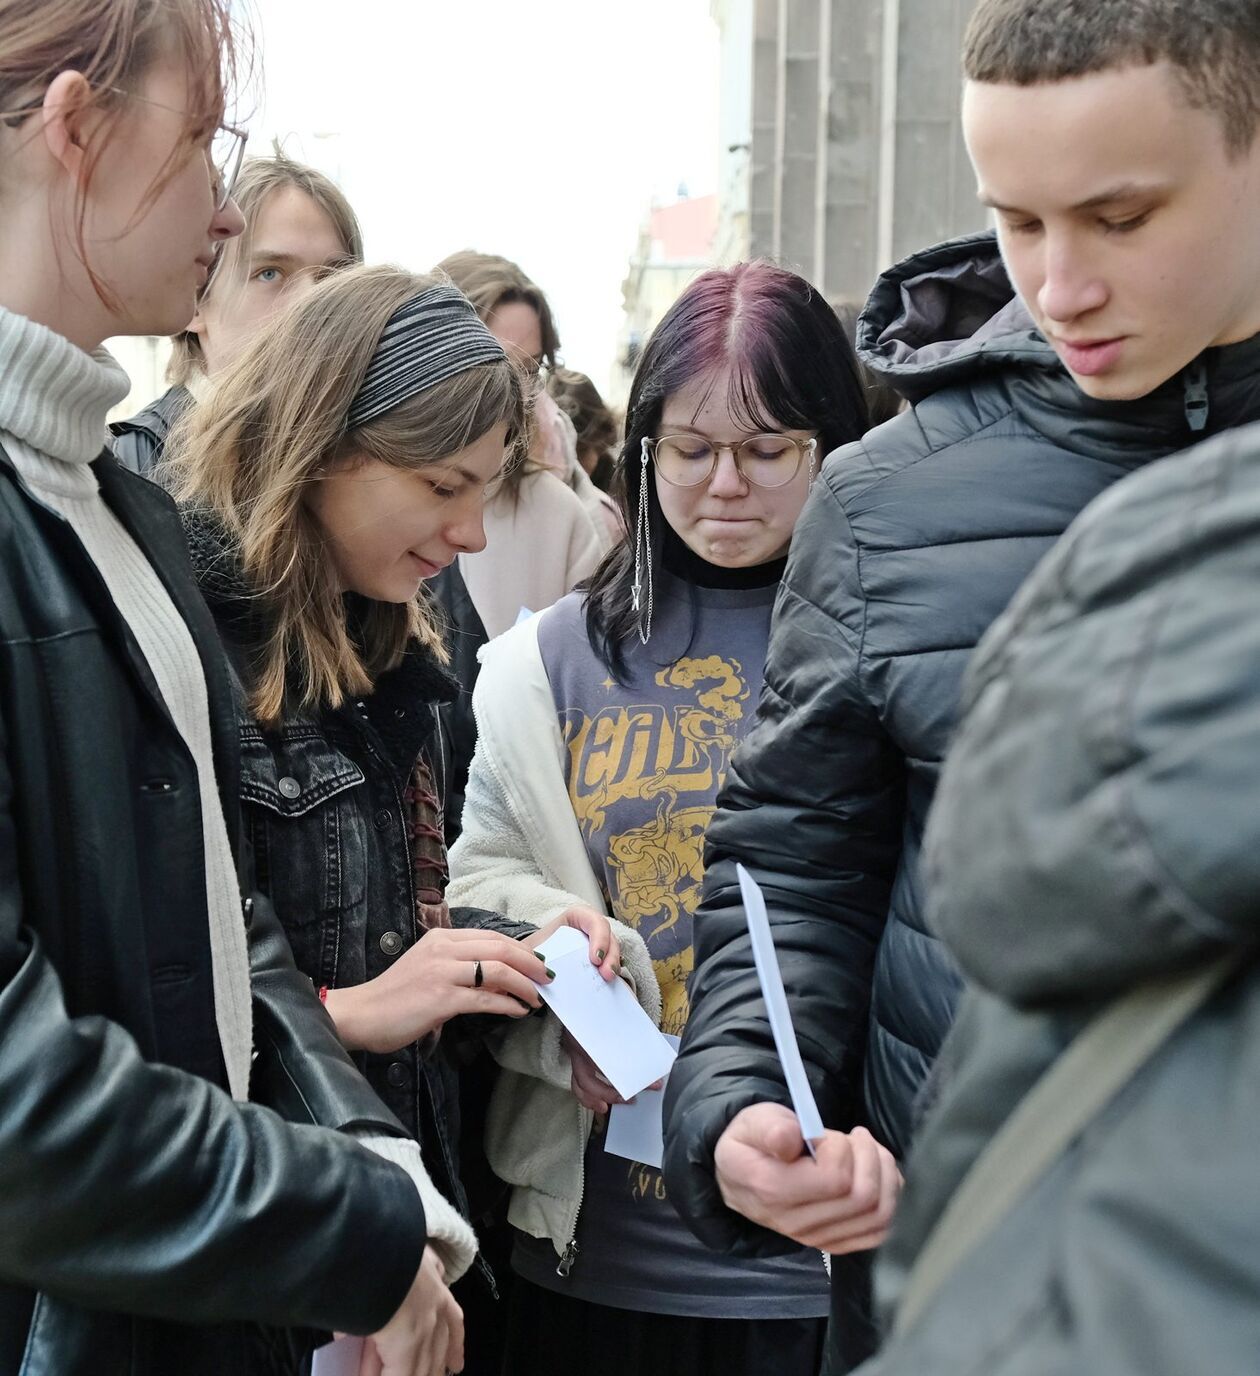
[764,460]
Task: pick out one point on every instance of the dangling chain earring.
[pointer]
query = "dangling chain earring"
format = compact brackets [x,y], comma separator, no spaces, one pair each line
[642,543]
[813,463]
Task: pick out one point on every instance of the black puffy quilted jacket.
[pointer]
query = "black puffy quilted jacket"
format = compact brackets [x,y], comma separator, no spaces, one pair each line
[914,540]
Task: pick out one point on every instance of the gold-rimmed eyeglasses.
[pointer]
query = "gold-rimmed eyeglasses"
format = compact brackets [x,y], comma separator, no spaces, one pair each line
[762,460]
[224,155]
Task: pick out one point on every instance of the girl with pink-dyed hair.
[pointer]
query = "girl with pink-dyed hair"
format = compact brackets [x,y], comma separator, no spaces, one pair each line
[606,726]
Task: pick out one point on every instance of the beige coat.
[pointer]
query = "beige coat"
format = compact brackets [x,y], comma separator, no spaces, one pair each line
[538,547]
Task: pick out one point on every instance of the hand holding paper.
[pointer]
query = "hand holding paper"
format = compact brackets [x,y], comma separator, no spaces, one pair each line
[840,1200]
[604,1017]
[842,1196]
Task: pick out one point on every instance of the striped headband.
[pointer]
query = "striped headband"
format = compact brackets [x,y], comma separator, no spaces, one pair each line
[429,338]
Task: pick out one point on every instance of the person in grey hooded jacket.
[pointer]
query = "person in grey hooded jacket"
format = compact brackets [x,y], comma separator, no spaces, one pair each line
[1114,318]
[1096,830]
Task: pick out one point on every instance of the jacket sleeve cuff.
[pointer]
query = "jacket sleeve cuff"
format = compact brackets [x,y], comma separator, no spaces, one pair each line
[481,919]
[448,1233]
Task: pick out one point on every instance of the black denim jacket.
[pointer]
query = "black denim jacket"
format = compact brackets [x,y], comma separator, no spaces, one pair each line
[323,809]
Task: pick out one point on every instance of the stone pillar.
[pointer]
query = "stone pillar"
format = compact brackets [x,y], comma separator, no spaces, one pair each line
[934,194]
[762,165]
[846,223]
[797,130]
[857,153]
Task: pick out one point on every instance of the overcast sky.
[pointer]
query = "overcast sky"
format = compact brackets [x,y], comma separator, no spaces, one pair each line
[539,130]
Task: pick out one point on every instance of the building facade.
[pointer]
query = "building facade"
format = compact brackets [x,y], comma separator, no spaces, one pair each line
[842,149]
[676,241]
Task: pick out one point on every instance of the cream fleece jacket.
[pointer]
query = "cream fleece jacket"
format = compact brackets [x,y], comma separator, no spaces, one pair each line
[521,854]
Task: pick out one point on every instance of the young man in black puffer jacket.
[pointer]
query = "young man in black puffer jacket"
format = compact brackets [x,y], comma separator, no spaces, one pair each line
[1112,320]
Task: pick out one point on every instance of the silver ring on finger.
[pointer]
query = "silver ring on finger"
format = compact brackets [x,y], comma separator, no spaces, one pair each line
[479,977]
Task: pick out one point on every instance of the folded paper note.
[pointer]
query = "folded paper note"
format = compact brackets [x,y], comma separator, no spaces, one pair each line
[341,1358]
[772,991]
[603,1016]
[634,1130]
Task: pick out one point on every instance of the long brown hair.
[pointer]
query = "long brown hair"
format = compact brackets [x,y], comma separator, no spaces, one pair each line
[113,44]
[275,423]
[259,178]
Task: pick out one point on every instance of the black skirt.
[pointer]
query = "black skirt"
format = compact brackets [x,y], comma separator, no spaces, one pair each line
[555,1335]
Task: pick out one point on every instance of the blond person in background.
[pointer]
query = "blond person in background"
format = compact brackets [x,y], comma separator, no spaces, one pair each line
[299,227]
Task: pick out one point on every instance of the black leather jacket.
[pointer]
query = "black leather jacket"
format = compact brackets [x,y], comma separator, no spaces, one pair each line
[148,1224]
[138,442]
[323,807]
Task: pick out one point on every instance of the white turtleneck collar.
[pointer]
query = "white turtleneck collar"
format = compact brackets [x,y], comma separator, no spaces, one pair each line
[53,396]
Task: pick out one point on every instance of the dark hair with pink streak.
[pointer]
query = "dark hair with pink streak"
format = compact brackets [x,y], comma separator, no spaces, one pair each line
[791,368]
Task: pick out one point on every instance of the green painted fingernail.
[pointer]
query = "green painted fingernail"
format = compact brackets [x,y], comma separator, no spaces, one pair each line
[541,957]
[551,974]
[599,956]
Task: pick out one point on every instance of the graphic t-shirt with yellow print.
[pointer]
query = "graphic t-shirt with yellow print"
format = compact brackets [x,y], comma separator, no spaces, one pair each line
[644,762]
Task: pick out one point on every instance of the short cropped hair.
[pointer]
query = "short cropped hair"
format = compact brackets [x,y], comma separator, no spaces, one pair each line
[1214,46]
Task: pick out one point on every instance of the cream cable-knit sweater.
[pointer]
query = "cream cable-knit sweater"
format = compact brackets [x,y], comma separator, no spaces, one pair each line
[53,402]
[54,399]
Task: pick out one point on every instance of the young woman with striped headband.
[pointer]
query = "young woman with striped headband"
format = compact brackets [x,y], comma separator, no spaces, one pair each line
[343,458]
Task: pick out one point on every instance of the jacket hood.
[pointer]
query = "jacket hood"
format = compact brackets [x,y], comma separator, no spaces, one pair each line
[949,317]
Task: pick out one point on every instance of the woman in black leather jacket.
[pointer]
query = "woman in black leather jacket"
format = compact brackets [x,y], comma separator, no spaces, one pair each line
[170,1180]
[318,493]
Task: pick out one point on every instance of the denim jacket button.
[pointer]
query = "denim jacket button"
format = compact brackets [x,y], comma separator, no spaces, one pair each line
[391,943]
[382,819]
[289,787]
[397,1074]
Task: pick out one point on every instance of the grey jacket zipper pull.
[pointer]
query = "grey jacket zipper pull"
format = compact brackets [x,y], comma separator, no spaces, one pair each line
[567,1260]
[1197,396]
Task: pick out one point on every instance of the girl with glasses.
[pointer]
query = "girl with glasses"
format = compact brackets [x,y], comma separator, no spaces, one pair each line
[174,1198]
[606,728]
